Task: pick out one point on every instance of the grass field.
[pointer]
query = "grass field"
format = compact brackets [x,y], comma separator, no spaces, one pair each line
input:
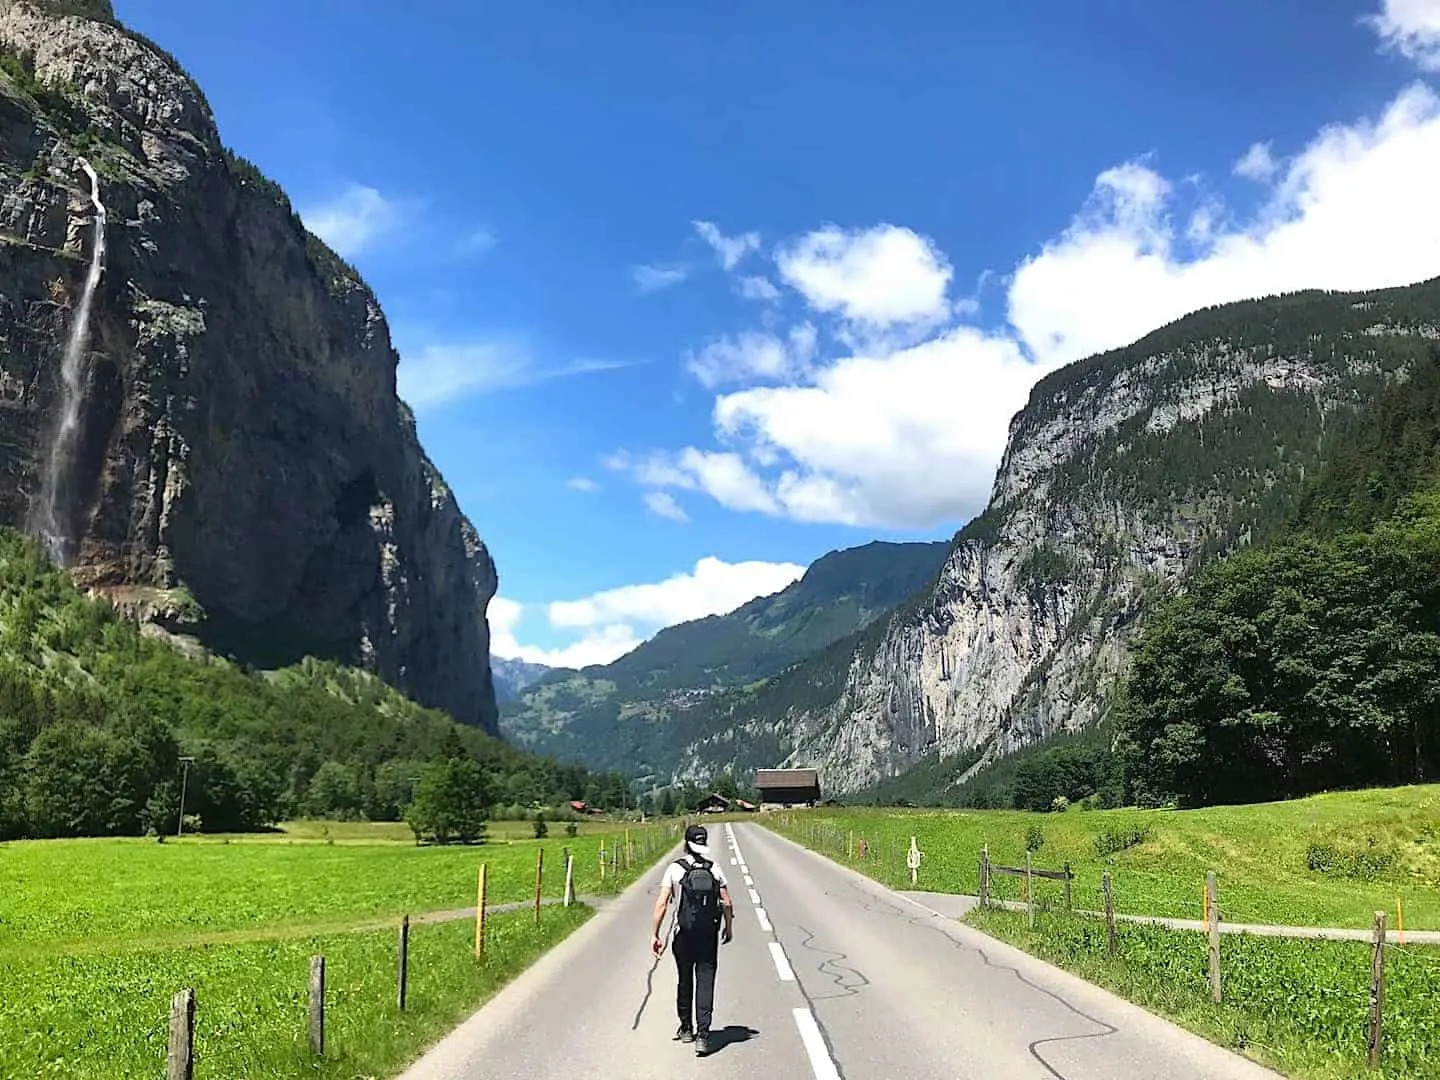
[102,895]
[97,935]
[103,1017]
[1371,848]
[1299,1006]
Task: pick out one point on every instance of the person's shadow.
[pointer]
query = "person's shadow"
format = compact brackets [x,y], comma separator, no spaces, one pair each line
[720,1038]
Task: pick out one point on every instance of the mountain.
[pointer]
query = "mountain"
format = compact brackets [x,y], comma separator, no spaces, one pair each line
[512,676]
[632,714]
[1123,474]
[224,450]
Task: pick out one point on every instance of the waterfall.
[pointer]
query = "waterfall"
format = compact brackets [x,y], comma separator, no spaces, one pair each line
[54,524]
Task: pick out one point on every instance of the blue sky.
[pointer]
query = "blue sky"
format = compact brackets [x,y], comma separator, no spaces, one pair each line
[687,295]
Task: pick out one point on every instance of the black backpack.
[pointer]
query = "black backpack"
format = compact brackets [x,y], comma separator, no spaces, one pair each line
[699,898]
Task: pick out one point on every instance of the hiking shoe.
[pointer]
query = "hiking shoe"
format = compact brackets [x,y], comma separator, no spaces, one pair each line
[704,1044]
[684,1034]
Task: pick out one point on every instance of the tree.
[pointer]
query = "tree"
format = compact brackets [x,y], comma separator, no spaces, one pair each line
[667,802]
[451,803]
[334,792]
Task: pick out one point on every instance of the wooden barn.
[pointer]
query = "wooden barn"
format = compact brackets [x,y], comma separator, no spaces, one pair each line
[788,787]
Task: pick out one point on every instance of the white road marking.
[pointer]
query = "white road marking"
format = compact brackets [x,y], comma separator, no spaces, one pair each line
[749,880]
[764,920]
[744,869]
[782,962]
[754,897]
[820,1063]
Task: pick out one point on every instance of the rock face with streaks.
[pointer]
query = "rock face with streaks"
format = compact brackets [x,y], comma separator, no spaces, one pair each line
[240,443]
[1123,473]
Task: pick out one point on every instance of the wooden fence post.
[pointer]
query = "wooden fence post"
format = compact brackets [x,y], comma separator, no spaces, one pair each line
[1212,905]
[1109,891]
[180,1061]
[539,880]
[1068,877]
[480,916]
[1377,987]
[1029,889]
[403,974]
[985,876]
[569,878]
[317,1006]
[602,860]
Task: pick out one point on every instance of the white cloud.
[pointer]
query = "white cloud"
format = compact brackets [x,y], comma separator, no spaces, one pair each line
[878,277]
[663,504]
[752,356]
[435,373]
[582,483]
[713,587]
[1257,163]
[611,623]
[1412,28]
[601,645]
[654,278]
[1355,210]
[910,434]
[757,288]
[478,242]
[353,219]
[730,249]
[908,439]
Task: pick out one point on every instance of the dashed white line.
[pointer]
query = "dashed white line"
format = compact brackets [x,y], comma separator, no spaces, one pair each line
[820,1063]
[754,897]
[749,880]
[782,963]
[764,920]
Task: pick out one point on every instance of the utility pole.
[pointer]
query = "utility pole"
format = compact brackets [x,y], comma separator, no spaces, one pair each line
[184,780]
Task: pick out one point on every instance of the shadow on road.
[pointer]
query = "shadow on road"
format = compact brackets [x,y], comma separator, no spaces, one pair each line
[720,1038]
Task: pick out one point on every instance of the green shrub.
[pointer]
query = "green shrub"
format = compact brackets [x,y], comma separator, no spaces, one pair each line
[1034,838]
[1119,838]
[542,830]
[1350,858]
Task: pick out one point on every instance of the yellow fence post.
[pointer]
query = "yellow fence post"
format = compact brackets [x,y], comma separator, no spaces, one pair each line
[480,916]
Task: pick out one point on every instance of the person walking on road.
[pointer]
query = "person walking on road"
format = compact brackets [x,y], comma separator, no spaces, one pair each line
[701,896]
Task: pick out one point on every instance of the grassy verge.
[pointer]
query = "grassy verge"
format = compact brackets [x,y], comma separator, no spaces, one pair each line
[105,895]
[1301,1007]
[104,1017]
[1367,849]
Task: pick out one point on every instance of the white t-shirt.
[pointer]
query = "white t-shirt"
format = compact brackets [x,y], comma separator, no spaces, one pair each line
[675,872]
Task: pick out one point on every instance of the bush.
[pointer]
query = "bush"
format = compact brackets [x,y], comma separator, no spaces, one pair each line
[1060,805]
[571,828]
[1034,838]
[1353,858]
[542,830]
[1120,838]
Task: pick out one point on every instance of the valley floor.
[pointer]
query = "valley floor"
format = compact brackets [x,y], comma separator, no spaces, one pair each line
[96,936]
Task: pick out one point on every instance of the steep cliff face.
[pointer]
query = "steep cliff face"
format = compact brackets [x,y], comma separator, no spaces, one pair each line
[1122,474]
[240,437]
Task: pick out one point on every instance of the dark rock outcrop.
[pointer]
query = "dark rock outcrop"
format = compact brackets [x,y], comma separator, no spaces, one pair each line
[241,438]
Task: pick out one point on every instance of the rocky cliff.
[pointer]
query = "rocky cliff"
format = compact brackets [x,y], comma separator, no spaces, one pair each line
[239,439]
[1122,474]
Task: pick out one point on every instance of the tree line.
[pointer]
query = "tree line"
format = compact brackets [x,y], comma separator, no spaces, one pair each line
[96,719]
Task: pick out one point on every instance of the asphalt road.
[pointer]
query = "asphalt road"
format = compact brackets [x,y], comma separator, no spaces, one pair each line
[830,975]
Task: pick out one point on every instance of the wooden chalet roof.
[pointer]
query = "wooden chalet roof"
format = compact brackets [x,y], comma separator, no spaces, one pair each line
[786,778]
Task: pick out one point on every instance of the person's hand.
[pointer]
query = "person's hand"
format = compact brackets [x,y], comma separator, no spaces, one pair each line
[725,935]
[656,945]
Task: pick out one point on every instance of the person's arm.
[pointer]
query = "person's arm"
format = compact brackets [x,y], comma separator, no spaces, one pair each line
[662,904]
[727,909]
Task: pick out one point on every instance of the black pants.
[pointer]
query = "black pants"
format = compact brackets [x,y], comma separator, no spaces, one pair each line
[695,956]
